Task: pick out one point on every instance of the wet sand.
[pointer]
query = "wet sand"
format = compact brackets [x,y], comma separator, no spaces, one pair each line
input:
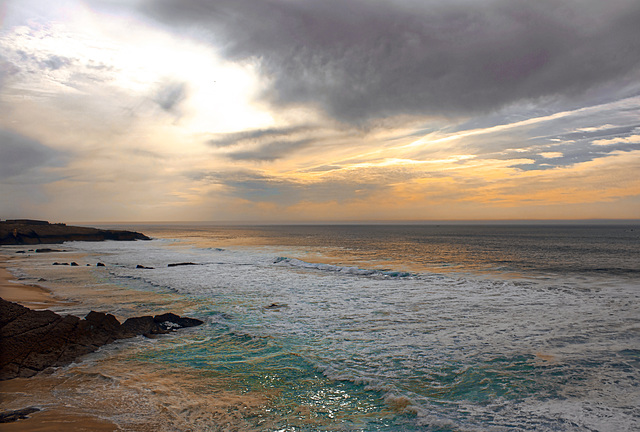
[31,296]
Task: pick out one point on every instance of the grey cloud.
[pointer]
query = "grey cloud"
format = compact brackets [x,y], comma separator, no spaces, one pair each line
[258,187]
[52,62]
[611,132]
[237,138]
[270,151]
[7,69]
[576,147]
[21,154]
[56,62]
[265,144]
[339,186]
[91,64]
[170,95]
[359,60]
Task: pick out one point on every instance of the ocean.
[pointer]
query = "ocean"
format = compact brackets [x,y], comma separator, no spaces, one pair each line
[357,328]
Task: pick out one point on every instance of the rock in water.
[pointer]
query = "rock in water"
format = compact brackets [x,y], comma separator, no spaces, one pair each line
[35,340]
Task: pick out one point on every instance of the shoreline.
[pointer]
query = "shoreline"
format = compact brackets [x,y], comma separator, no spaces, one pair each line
[49,419]
[135,391]
[30,295]
[61,394]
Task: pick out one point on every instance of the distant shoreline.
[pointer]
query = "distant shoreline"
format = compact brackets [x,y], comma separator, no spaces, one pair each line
[503,222]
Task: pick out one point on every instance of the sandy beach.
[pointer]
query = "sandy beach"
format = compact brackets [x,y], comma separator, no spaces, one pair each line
[31,296]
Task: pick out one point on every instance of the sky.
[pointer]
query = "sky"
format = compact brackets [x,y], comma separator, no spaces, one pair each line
[319,110]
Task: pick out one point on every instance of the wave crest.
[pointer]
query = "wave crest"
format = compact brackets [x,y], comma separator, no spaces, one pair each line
[386,274]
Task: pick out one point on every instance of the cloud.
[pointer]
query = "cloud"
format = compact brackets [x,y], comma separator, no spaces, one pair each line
[633,139]
[264,144]
[270,151]
[361,60]
[551,155]
[236,138]
[7,69]
[56,62]
[21,154]
[340,185]
[170,95]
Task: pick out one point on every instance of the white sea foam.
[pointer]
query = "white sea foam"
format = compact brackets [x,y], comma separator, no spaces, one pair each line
[464,352]
[349,270]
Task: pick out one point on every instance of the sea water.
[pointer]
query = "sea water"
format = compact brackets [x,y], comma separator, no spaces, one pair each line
[367,328]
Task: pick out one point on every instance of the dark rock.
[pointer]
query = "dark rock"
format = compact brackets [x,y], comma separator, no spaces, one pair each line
[47,250]
[140,266]
[98,328]
[181,264]
[74,264]
[20,252]
[57,263]
[169,321]
[100,264]
[11,416]
[33,341]
[144,325]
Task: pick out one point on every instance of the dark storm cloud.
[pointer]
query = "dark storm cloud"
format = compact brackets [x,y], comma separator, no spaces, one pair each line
[360,60]
[19,154]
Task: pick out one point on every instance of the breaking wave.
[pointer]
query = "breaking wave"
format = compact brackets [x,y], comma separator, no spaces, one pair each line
[294,262]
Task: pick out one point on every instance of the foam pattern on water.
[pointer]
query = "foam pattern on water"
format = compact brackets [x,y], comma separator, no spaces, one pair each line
[380,349]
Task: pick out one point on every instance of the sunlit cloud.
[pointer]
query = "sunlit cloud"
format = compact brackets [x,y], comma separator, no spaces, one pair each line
[633,139]
[550,155]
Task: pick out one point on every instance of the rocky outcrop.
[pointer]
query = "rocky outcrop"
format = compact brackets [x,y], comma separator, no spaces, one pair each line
[24,231]
[31,341]
[15,415]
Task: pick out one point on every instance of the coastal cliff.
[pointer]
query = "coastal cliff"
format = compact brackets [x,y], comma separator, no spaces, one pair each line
[28,231]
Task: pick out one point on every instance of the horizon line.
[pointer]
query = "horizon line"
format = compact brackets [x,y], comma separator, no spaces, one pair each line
[594,221]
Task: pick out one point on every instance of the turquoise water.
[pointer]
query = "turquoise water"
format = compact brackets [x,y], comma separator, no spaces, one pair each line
[386,328]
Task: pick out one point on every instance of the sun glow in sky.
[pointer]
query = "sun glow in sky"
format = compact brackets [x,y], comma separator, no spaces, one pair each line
[324,110]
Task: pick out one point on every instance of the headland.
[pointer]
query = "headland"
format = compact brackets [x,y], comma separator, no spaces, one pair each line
[31,232]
